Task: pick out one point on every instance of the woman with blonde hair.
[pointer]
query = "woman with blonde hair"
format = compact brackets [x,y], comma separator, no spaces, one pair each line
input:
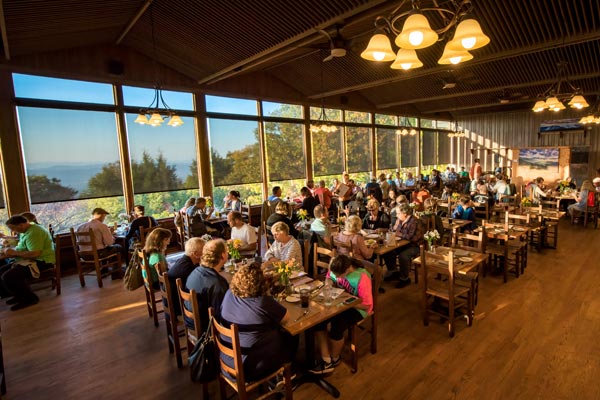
[284,248]
[248,305]
[352,240]
[155,247]
[582,199]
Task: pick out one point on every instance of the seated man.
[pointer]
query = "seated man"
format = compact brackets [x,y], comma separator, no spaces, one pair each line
[243,232]
[34,253]
[140,221]
[198,213]
[210,287]
[411,229]
[276,194]
[321,224]
[105,241]
[184,265]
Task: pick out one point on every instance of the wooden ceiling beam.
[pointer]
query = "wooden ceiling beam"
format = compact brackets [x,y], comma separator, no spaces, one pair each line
[539,47]
[3,32]
[133,21]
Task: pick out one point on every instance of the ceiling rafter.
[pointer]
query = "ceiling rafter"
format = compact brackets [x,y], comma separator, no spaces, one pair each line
[3,32]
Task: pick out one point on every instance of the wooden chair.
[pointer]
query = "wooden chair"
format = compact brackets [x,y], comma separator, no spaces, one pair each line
[500,251]
[535,235]
[591,209]
[269,239]
[51,275]
[194,333]
[151,299]
[353,330]
[343,245]
[187,227]
[175,328]
[476,244]
[458,298]
[87,258]
[228,343]
[247,213]
[482,211]
[321,258]
[144,232]
[2,376]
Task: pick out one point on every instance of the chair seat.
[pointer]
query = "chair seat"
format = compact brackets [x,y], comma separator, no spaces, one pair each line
[440,290]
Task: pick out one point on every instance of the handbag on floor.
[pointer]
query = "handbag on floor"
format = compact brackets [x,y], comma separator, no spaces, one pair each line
[203,360]
[133,278]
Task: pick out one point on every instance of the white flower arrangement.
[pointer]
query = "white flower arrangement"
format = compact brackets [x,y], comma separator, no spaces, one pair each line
[206,237]
[430,236]
[124,216]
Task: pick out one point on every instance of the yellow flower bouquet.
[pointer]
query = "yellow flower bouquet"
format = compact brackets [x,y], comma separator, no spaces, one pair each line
[234,245]
[285,269]
[526,202]
[302,214]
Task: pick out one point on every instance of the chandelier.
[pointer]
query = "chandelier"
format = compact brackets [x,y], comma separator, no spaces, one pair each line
[456,133]
[158,112]
[322,124]
[593,117]
[552,98]
[407,130]
[416,33]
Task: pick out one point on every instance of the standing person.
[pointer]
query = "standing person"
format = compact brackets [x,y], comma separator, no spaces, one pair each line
[133,235]
[34,253]
[385,188]
[435,183]
[155,247]
[243,232]
[209,285]
[475,172]
[105,241]
[411,229]
[463,172]
[349,274]
[183,267]
[259,316]
[310,184]
[324,195]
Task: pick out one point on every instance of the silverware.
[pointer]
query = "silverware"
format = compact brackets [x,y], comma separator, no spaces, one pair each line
[304,314]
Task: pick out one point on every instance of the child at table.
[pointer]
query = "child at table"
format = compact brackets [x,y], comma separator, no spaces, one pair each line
[464,210]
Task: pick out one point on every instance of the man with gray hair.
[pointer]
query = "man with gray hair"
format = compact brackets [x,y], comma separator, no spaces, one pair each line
[411,229]
[184,265]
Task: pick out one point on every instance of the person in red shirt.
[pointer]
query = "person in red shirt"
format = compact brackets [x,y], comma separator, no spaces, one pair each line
[324,195]
[475,172]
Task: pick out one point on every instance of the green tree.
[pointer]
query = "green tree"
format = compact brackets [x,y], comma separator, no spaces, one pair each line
[192,180]
[43,189]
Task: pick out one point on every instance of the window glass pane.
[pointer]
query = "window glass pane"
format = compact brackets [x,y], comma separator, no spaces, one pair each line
[386,148]
[327,153]
[285,150]
[332,114]
[70,154]
[163,204]
[66,214]
[163,158]
[230,105]
[45,88]
[234,151]
[358,149]
[143,97]
[358,117]
[444,125]
[428,148]
[408,147]
[427,123]
[249,194]
[407,121]
[383,119]
[282,110]
[3,211]
[443,148]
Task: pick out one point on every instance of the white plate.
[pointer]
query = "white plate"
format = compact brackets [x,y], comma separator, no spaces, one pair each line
[292,299]
[298,288]
[465,259]
[460,253]
[372,236]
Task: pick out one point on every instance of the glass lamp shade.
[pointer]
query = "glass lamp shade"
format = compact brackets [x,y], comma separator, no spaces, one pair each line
[379,49]
[175,121]
[416,33]
[540,105]
[454,56]
[141,119]
[155,120]
[468,36]
[587,119]
[406,59]
[558,107]
[412,132]
[578,102]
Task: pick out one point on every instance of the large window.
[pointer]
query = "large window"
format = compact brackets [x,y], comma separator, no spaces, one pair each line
[285,150]
[429,147]
[234,151]
[384,119]
[45,88]
[358,149]
[444,147]
[386,148]
[327,153]
[282,110]
[70,154]
[230,105]
[408,147]
[358,117]
[142,97]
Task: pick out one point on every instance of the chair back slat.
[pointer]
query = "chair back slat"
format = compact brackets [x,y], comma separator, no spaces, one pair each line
[144,232]
[193,334]
[317,260]
[229,338]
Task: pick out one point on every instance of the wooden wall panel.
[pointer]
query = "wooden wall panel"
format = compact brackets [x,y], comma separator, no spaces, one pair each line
[502,131]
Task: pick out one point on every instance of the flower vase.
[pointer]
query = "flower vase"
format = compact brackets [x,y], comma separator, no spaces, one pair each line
[431,246]
[289,289]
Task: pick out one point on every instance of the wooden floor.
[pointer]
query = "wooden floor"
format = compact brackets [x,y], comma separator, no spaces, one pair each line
[535,337]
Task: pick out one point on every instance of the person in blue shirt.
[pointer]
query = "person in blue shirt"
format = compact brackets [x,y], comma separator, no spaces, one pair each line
[464,210]
[276,194]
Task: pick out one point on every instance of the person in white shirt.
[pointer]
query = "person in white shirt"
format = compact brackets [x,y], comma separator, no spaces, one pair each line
[105,241]
[596,183]
[243,232]
[284,248]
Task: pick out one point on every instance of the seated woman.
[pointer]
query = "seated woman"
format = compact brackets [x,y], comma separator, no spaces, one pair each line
[349,274]
[178,219]
[265,345]
[375,219]
[232,201]
[308,202]
[281,215]
[431,213]
[284,248]
[447,192]
[353,240]
[390,202]
[464,210]
[582,199]
[155,247]
[140,220]
[536,190]
[419,196]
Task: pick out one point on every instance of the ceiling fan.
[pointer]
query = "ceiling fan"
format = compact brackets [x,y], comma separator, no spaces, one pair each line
[507,97]
[338,46]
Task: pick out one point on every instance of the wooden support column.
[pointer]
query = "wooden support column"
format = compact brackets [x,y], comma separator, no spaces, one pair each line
[202,146]
[307,145]
[123,141]
[419,143]
[263,152]
[13,169]
[374,149]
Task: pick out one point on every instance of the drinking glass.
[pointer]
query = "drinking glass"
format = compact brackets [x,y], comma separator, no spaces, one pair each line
[304,297]
[327,293]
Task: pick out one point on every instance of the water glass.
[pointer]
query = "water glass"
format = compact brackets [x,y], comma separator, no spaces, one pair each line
[304,297]
[327,292]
